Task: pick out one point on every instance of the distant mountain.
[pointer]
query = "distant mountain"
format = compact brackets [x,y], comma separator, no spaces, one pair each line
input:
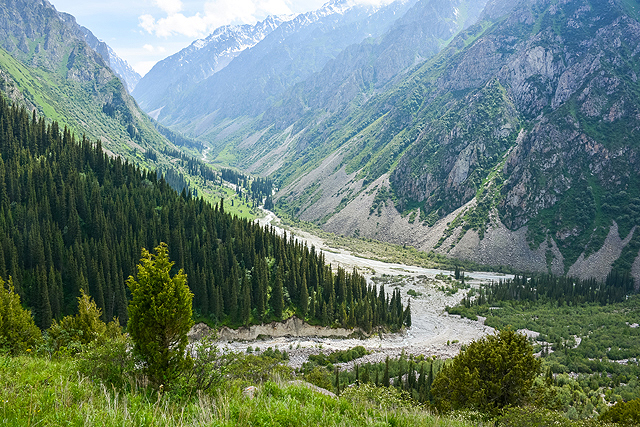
[171,77]
[121,67]
[46,64]
[258,76]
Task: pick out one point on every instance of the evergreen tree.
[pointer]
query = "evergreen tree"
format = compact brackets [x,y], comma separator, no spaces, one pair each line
[277,297]
[385,379]
[422,385]
[304,297]
[246,301]
[43,311]
[407,314]
[160,316]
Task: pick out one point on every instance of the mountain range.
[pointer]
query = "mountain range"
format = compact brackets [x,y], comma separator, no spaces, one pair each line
[51,64]
[501,132]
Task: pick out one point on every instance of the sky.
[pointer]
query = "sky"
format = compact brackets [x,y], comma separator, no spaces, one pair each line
[144,32]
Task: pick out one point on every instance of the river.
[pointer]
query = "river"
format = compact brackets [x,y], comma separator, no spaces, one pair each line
[433,331]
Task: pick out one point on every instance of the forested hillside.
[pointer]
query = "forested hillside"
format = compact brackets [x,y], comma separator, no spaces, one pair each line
[72,218]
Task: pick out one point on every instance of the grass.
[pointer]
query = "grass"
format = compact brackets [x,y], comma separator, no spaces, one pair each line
[37,391]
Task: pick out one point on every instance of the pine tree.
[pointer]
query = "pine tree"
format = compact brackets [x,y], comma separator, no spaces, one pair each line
[246,301]
[277,296]
[312,305]
[385,379]
[422,383]
[304,297]
[43,311]
[407,314]
[365,375]
[160,316]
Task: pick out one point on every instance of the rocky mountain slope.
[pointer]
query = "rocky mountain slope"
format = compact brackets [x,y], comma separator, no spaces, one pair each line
[127,74]
[46,63]
[517,144]
[258,76]
[173,76]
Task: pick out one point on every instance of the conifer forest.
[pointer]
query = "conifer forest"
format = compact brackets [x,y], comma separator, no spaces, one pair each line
[72,218]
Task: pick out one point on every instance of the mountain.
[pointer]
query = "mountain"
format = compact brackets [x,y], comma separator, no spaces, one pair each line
[514,145]
[46,64]
[169,78]
[258,76]
[121,67]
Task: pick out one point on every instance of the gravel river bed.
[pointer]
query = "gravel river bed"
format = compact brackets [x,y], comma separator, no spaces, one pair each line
[433,332]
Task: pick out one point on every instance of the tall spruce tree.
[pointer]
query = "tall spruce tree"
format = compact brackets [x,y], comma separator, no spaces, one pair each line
[160,316]
[277,296]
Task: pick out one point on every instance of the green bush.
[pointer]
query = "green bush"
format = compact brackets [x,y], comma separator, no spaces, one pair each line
[490,374]
[18,332]
[625,413]
[110,361]
[532,417]
[380,397]
[320,377]
[72,333]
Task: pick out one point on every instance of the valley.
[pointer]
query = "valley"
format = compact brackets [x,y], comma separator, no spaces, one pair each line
[413,212]
[433,331]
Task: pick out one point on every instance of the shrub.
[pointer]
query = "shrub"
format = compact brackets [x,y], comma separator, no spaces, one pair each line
[160,316]
[490,374]
[110,361]
[72,333]
[532,417]
[319,377]
[18,332]
[380,397]
[625,413]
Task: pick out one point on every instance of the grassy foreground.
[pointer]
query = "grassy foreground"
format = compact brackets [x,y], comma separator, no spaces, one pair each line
[42,392]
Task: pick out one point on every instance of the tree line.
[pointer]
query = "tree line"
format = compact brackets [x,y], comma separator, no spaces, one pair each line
[560,289]
[73,219]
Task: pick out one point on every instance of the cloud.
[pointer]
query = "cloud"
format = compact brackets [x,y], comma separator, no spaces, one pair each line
[216,13]
[170,6]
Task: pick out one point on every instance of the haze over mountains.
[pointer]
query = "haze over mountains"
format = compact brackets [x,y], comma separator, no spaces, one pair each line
[500,132]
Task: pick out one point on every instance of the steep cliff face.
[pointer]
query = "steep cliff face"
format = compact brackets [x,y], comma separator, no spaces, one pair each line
[522,135]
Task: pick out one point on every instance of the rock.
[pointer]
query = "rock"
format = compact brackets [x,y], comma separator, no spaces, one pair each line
[313,387]
[199,331]
[249,391]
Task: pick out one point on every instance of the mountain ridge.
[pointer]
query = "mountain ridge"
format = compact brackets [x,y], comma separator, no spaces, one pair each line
[48,65]
[518,136]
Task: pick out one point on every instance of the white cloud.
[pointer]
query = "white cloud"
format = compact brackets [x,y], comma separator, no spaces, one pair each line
[171,7]
[147,22]
[215,14]
[143,67]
